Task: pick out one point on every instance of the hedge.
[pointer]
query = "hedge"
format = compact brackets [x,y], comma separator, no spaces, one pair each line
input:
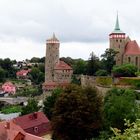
[132,81]
[104,81]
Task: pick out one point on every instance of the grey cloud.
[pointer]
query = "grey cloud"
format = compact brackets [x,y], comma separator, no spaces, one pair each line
[71,20]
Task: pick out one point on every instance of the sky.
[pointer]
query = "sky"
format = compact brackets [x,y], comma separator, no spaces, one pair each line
[82,26]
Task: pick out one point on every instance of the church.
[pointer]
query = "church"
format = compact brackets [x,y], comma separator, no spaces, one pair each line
[57,72]
[128,50]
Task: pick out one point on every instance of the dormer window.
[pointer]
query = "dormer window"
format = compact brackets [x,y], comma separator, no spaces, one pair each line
[36,129]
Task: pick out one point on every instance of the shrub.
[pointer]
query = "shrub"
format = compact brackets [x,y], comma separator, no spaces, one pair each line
[101,73]
[126,70]
[11,109]
[131,133]
[104,81]
[134,82]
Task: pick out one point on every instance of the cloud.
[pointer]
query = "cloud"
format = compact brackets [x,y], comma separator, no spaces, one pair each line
[85,24]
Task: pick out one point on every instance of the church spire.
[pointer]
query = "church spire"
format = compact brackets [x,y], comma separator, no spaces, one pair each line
[53,36]
[117,27]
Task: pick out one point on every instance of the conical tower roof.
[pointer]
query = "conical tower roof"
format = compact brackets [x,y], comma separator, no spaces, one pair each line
[117,27]
[53,39]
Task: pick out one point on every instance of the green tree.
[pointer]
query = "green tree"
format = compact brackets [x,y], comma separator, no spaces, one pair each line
[49,102]
[29,91]
[119,104]
[35,60]
[42,67]
[2,75]
[108,59]
[79,66]
[42,60]
[31,107]
[93,64]
[130,133]
[77,114]
[7,65]
[37,76]
[68,60]
[125,70]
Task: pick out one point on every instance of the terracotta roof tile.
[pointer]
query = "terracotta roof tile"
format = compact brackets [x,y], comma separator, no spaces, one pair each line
[9,131]
[29,120]
[132,48]
[61,65]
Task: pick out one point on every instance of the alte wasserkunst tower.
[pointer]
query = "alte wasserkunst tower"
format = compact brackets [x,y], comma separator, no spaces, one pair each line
[128,50]
[57,72]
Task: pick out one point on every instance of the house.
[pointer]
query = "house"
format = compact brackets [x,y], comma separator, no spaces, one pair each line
[9,87]
[9,130]
[35,123]
[23,74]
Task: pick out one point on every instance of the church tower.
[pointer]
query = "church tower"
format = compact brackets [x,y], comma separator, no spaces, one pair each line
[117,41]
[52,57]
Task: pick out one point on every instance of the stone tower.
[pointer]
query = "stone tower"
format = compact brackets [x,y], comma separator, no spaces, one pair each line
[52,57]
[118,42]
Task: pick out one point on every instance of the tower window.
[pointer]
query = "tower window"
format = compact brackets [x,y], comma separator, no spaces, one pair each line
[116,40]
[136,61]
[129,59]
[120,40]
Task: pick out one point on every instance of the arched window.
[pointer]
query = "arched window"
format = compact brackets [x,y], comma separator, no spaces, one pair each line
[129,59]
[136,61]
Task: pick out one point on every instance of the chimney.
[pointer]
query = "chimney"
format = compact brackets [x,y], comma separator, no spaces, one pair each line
[35,115]
[7,125]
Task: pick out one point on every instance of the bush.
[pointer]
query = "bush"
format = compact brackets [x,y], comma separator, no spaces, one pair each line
[104,81]
[125,70]
[131,133]
[101,73]
[134,82]
[11,109]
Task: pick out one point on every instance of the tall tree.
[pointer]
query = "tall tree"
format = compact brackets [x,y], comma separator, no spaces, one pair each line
[119,104]
[79,66]
[36,75]
[2,75]
[49,103]
[77,114]
[93,64]
[108,59]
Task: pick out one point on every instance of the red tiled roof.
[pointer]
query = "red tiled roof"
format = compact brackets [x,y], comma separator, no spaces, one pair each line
[9,131]
[22,72]
[29,120]
[61,65]
[132,48]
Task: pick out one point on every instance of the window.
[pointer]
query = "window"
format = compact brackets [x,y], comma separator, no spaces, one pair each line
[129,59]
[136,62]
[36,129]
[120,40]
[116,40]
